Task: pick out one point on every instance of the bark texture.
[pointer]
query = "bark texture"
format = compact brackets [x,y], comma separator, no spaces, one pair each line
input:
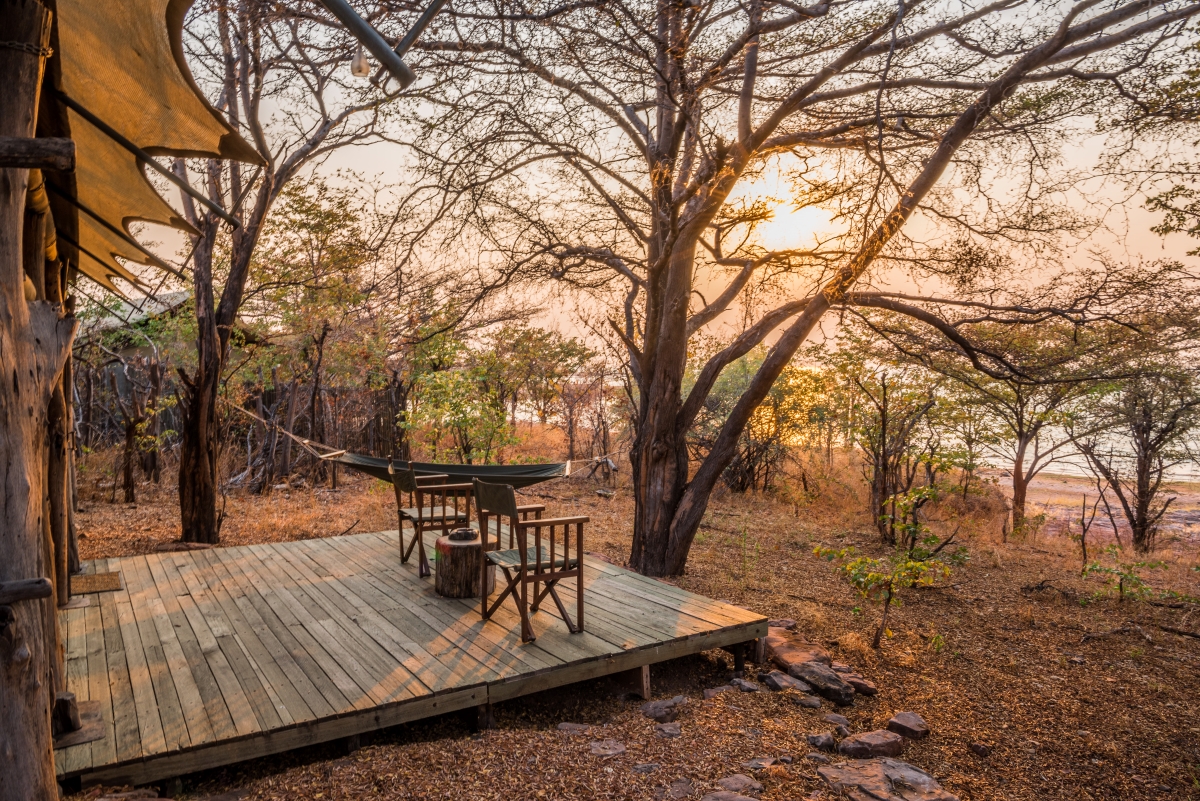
[34,344]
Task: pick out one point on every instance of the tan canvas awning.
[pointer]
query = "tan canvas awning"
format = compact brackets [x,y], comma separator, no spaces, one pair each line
[123,61]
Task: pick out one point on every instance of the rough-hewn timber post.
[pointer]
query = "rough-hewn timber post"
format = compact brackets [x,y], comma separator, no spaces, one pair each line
[33,346]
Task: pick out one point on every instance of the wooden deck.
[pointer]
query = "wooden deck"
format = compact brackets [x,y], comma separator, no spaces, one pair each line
[211,657]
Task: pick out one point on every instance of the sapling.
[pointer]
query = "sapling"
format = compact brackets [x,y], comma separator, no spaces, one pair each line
[1126,575]
[881,579]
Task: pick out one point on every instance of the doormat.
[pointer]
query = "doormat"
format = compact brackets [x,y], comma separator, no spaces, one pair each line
[96,582]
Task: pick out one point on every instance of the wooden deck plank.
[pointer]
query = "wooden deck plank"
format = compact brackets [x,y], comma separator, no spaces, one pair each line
[320,639]
[350,652]
[554,640]
[104,750]
[461,615]
[262,647]
[150,727]
[612,625]
[150,606]
[244,694]
[337,687]
[78,757]
[410,599]
[197,648]
[434,660]
[127,737]
[380,646]
[318,693]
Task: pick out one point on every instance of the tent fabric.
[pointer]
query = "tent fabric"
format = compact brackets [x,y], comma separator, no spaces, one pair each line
[123,61]
[515,475]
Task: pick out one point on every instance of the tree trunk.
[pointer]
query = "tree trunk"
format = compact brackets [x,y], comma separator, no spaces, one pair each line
[34,344]
[285,458]
[57,486]
[199,449]
[1020,488]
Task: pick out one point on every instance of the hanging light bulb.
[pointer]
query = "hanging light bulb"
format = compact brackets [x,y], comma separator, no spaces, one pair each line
[359,66]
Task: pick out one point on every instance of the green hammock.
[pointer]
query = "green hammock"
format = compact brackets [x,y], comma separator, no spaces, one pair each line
[515,475]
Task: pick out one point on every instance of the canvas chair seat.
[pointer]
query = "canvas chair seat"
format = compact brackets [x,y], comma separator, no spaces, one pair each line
[512,558]
[435,513]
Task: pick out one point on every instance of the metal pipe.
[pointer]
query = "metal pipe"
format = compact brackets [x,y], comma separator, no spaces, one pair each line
[410,38]
[371,39]
[146,159]
[419,27]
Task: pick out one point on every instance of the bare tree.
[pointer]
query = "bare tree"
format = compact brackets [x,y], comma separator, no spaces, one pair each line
[281,76]
[1142,429]
[606,140]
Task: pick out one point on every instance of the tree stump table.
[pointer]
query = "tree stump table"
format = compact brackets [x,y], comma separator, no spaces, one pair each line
[458,557]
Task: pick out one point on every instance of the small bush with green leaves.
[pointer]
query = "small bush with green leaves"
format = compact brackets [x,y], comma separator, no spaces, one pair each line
[1125,577]
[881,579]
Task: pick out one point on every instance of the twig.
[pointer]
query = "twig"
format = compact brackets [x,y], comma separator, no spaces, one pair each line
[347,531]
[1175,605]
[1180,632]
[1128,628]
[1045,585]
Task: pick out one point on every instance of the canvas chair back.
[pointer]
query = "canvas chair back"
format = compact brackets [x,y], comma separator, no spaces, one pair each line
[403,476]
[497,499]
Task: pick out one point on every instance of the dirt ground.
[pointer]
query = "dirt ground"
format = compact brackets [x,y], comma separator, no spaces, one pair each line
[993,655]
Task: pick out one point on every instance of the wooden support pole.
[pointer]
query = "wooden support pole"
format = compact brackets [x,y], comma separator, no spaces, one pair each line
[24,590]
[37,154]
[34,343]
[635,682]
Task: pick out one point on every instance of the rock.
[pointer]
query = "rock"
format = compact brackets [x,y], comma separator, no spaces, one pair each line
[841,667]
[715,691]
[786,760]
[786,649]
[860,684]
[785,623]
[778,680]
[872,744]
[605,493]
[725,795]
[980,750]
[823,741]
[883,780]
[841,731]
[607,748]
[646,767]
[909,724]
[758,763]
[740,783]
[745,686]
[574,728]
[836,719]
[680,788]
[664,711]
[667,730]
[809,701]
[1077,660]
[824,682]
[818,758]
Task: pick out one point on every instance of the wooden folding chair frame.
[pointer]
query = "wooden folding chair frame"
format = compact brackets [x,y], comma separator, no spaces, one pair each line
[498,501]
[427,516]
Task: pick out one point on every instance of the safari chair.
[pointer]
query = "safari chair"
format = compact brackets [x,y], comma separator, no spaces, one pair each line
[543,555]
[432,505]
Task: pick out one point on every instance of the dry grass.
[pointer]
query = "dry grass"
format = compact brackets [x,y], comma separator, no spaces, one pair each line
[980,658]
